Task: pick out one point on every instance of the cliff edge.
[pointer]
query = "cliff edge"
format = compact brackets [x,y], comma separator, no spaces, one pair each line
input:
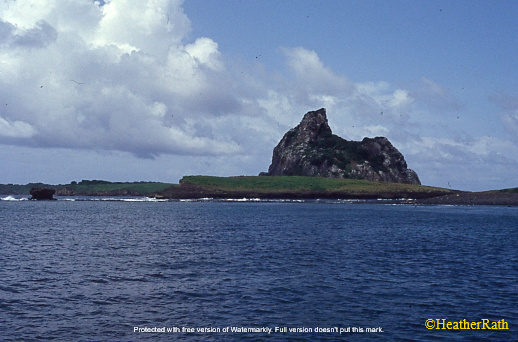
[311,149]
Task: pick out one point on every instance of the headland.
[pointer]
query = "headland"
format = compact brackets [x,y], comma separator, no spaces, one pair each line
[309,162]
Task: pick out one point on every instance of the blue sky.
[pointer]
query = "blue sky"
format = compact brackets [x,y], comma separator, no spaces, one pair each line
[446,41]
[130,90]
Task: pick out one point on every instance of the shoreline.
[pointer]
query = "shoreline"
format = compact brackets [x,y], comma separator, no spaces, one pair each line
[191,191]
[474,198]
[277,188]
[469,199]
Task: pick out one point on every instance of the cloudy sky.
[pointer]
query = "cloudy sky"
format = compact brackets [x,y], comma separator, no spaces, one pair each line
[130,90]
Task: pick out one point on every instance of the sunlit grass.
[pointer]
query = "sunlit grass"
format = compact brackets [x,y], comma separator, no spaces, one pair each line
[141,188]
[309,184]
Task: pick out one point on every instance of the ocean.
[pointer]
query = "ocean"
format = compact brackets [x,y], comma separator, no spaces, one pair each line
[110,269]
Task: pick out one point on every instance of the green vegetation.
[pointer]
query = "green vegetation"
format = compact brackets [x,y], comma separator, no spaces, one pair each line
[342,152]
[511,190]
[267,186]
[293,184]
[88,187]
[18,189]
[140,188]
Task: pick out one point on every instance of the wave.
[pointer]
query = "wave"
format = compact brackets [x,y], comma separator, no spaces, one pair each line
[90,199]
[110,199]
[13,199]
[205,199]
[143,199]
[210,199]
[243,200]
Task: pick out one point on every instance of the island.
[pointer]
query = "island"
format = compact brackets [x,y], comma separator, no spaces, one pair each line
[294,187]
[309,162]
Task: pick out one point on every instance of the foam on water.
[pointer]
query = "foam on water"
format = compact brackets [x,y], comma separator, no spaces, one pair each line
[111,199]
[144,199]
[13,199]
[210,199]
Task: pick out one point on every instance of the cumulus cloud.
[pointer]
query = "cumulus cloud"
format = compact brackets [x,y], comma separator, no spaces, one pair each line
[313,76]
[38,36]
[474,163]
[121,75]
[16,129]
[125,76]
[78,74]
[356,107]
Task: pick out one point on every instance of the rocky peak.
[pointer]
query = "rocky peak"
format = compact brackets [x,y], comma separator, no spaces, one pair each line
[313,126]
[311,149]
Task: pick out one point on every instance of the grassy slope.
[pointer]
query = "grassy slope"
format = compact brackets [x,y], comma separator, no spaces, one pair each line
[294,184]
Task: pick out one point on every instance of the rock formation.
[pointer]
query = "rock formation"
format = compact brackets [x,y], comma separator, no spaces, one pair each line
[311,149]
[42,194]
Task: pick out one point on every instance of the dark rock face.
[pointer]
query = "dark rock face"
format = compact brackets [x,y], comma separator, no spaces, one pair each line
[311,149]
[42,194]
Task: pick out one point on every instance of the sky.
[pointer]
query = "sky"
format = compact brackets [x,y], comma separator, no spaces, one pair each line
[130,90]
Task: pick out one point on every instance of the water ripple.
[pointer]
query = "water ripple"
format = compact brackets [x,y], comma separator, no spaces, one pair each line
[105,267]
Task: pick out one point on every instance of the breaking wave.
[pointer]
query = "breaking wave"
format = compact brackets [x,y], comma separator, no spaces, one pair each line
[210,199]
[112,199]
[13,199]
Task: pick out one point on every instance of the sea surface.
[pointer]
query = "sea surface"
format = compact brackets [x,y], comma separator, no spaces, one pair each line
[106,269]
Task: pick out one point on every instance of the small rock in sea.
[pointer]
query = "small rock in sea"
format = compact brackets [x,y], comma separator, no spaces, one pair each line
[42,194]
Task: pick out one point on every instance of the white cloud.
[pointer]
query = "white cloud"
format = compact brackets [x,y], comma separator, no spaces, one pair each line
[312,76]
[474,163]
[121,79]
[150,26]
[38,36]
[400,99]
[126,78]
[376,130]
[205,52]
[16,129]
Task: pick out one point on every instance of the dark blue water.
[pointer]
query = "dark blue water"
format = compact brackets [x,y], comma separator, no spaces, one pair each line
[96,270]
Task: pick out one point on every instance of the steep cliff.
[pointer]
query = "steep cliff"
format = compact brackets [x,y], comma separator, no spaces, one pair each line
[311,149]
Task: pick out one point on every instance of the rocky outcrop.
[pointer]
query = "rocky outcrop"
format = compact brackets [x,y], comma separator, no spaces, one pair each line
[311,149]
[42,194]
